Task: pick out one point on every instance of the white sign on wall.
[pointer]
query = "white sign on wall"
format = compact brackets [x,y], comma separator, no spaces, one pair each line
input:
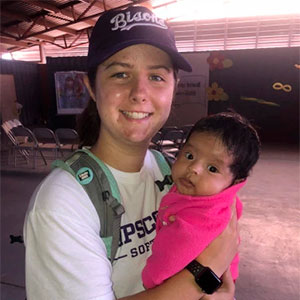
[191,89]
[190,101]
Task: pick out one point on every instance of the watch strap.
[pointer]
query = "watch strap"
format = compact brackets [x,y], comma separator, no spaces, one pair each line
[206,279]
[195,268]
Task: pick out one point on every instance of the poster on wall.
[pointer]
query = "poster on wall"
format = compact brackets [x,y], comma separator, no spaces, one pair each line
[71,94]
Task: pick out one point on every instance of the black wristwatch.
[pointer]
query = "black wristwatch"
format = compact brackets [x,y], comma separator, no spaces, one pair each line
[207,280]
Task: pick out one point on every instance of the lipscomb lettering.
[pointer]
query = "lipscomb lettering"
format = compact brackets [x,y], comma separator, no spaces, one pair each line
[137,237]
[124,21]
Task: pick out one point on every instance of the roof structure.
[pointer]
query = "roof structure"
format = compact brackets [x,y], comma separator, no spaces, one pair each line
[58,27]
[40,28]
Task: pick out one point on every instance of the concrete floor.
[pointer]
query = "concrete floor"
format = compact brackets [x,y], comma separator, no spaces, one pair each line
[269,268]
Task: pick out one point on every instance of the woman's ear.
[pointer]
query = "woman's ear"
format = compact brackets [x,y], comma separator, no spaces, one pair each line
[88,86]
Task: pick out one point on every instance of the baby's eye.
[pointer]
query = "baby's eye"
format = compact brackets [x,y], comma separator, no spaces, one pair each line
[156,78]
[120,75]
[189,155]
[212,169]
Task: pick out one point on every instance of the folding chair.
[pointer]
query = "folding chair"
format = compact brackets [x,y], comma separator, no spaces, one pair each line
[186,130]
[30,144]
[172,141]
[47,140]
[156,141]
[68,139]
[7,128]
[165,129]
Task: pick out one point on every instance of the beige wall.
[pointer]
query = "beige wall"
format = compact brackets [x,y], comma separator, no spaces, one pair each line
[8,97]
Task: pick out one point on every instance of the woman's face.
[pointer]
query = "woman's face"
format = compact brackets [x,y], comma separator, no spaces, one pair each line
[134,90]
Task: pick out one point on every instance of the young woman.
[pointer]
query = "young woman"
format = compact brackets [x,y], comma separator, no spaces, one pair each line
[133,63]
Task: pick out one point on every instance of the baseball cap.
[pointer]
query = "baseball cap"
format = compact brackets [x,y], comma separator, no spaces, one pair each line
[118,29]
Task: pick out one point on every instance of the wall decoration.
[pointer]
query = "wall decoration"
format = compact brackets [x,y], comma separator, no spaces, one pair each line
[279,86]
[260,101]
[71,93]
[216,60]
[216,93]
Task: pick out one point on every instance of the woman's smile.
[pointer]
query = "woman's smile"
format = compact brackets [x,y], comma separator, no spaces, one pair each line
[135,115]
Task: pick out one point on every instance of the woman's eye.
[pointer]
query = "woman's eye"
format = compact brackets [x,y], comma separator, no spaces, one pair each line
[120,75]
[156,78]
[189,155]
[212,169]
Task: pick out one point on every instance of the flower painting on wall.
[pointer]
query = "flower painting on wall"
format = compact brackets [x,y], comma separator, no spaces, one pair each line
[216,93]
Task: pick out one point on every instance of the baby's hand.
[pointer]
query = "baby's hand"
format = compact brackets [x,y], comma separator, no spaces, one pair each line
[172,218]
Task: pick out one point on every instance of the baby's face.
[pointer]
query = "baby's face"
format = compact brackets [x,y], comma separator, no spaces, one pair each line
[203,165]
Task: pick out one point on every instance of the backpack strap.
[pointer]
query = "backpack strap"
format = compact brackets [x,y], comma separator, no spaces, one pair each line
[102,189]
[164,162]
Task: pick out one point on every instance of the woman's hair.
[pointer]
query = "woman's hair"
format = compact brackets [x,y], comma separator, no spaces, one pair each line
[237,135]
[88,123]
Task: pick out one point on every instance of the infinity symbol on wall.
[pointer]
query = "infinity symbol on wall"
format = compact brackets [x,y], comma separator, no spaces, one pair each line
[279,86]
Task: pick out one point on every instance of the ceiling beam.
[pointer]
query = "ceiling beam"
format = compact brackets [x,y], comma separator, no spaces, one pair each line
[40,21]
[8,41]
[53,26]
[70,13]
[98,3]
[43,4]
[14,33]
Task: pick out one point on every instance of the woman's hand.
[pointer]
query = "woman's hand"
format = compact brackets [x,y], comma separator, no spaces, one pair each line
[220,252]
[226,291]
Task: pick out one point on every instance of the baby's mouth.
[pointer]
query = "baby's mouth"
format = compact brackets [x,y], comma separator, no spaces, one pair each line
[186,183]
[135,115]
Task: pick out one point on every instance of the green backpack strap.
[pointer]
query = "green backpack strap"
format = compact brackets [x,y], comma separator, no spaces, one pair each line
[164,162]
[102,189]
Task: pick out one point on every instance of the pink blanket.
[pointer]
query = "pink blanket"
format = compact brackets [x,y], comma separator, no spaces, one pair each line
[199,220]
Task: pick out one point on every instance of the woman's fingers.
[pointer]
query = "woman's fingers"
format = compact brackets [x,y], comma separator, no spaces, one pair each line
[228,285]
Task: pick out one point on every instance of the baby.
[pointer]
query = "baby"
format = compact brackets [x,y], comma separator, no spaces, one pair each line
[210,169]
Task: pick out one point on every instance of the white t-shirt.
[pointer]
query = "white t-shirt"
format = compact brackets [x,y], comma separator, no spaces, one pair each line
[65,256]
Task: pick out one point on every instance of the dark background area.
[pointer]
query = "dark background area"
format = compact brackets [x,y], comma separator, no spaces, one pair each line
[252,75]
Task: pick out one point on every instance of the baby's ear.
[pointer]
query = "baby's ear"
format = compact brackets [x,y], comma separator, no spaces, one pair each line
[88,86]
[239,180]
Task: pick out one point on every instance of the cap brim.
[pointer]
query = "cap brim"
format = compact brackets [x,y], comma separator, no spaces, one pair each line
[178,60]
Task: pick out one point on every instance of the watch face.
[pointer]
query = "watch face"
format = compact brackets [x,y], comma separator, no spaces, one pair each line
[208,281]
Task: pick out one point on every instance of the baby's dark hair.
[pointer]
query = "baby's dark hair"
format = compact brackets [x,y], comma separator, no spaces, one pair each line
[238,135]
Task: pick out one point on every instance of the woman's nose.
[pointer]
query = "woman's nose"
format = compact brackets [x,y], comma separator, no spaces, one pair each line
[139,90]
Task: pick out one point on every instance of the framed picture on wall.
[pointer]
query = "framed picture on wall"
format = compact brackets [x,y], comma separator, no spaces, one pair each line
[71,94]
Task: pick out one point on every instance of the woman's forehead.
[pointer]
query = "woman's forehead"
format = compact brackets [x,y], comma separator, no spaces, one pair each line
[147,54]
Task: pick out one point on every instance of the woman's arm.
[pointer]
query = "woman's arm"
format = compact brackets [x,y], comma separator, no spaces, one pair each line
[218,256]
